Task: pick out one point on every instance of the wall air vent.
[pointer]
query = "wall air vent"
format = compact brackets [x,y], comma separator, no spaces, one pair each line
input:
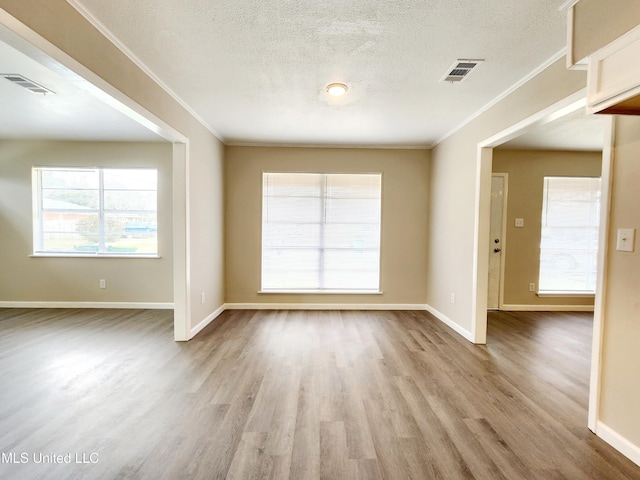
[460,70]
[24,82]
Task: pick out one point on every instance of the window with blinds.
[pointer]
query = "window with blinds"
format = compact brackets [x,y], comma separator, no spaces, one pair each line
[569,243]
[321,232]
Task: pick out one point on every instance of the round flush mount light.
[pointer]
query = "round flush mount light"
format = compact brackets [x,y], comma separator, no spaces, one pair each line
[337,89]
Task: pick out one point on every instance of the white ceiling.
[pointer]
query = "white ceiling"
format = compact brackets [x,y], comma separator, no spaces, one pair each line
[255,71]
[575,131]
[71,114]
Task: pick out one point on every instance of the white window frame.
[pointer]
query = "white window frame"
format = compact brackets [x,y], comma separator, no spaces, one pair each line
[320,288]
[101,211]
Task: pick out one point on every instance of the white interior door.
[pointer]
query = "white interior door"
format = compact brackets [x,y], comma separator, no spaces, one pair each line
[496,229]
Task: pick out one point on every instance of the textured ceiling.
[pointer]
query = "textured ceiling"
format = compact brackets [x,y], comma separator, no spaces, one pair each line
[255,71]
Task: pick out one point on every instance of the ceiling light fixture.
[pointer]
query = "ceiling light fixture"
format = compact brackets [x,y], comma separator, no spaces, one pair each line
[337,89]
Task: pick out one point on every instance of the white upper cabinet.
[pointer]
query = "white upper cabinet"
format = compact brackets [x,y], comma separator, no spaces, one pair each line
[613,81]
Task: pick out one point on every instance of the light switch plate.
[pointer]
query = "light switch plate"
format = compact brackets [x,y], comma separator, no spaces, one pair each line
[519,222]
[626,239]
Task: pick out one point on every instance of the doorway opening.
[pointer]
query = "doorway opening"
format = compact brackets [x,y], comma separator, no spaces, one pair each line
[34,48]
[570,104]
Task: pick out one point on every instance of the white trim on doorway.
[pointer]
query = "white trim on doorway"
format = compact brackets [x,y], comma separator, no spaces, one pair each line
[599,303]
[181,242]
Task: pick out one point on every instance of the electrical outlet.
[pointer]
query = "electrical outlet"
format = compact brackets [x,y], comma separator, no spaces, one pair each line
[103,283]
[532,287]
[202,298]
[453,298]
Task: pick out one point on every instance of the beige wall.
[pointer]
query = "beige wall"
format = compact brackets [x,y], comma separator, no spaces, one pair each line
[404,222]
[620,395]
[46,279]
[199,191]
[454,190]
[527,169]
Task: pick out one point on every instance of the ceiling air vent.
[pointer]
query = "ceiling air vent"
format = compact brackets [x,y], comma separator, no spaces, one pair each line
[460,70]
[24,82]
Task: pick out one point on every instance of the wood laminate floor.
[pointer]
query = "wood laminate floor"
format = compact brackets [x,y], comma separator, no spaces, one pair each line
[296,395]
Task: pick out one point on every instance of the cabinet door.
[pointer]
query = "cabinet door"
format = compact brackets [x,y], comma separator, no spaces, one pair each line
[613,81]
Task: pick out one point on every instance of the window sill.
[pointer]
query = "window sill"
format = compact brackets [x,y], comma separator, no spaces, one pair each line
[565,294]
[89,255]
[321,292]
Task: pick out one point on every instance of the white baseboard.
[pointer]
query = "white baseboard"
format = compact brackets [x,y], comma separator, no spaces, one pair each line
[133,305]
[547,308]
[620,443]
[450,323]
[324,306]
[210,318]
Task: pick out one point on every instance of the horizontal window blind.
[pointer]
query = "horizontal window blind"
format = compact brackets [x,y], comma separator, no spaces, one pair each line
[569,237]
[321,232]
